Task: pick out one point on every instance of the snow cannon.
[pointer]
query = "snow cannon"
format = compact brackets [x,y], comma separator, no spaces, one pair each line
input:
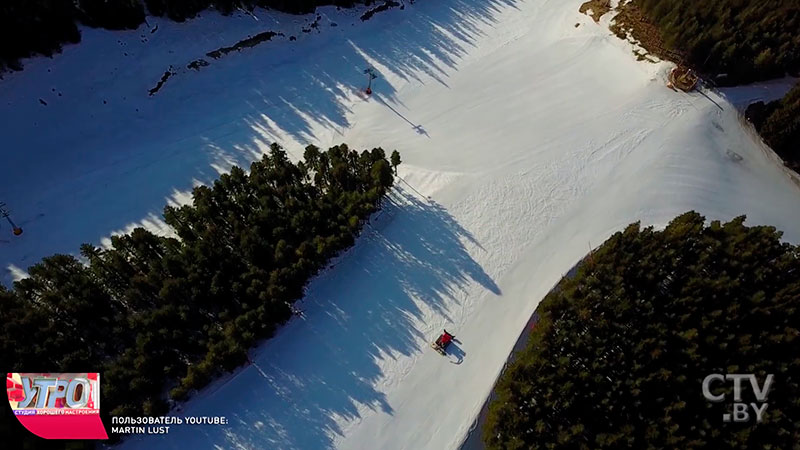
[17,231]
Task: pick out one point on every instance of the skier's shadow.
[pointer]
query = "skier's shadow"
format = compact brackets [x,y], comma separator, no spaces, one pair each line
[454,351]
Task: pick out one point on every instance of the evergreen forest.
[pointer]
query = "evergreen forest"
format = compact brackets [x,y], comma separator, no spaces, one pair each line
[778,122]
[618,358]
[161,316]
[734,41]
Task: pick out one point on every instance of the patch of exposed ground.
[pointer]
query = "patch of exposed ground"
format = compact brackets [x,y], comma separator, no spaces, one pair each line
[632,24]
[161,82]
[386,5]
[197,64]
[245,43]
[596,8]
[266,36]
[314,25]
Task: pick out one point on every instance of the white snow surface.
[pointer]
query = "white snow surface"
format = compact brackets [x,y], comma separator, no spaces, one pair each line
[525,140]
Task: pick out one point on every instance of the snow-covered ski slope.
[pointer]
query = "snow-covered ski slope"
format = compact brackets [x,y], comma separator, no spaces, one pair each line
[526,140]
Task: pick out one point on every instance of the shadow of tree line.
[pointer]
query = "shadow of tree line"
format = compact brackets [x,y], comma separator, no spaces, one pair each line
[320,369]
[426,38]
[227,115]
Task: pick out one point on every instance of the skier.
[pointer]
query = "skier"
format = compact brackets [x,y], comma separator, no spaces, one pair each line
[444,340]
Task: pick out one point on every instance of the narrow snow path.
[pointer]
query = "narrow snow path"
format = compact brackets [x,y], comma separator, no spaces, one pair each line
[526,140]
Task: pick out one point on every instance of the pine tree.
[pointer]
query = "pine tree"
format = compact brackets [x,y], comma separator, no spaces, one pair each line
[395,160]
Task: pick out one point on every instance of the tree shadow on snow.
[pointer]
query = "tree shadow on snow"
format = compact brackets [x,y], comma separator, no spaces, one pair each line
[204,122]
[426,39]
[321,368]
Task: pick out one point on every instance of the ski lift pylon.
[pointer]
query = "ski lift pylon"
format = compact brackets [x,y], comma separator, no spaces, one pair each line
[371,75]
[4,212]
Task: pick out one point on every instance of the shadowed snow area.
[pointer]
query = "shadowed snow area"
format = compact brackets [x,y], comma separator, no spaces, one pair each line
[326,368]
[101,155]
[525,141]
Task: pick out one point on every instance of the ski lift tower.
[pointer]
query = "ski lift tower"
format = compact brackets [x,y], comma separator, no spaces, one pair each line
[4,212]
[371,75]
